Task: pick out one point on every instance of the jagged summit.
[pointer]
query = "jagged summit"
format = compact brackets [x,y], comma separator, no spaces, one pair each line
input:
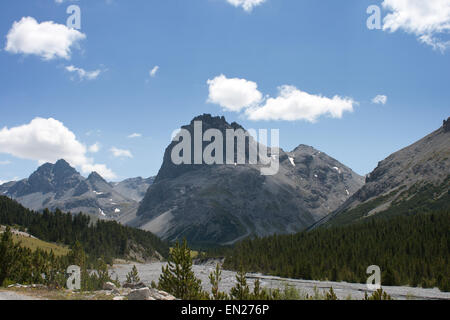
[61,186]
[446,125]
[220,204]
[95,177]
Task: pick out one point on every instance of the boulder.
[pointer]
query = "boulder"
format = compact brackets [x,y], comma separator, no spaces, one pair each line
[133,286]
[109,286]
[149,294]
[161,295]
[140,294]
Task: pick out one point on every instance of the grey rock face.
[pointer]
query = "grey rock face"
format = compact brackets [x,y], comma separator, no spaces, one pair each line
[59,186]
[446,125]
[134,188]
[210,204]
[425,162]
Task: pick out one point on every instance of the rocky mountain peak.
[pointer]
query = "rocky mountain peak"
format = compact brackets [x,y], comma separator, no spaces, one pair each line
[446,125]
[97,182]
[170,170]
[224,203]
[209,121]
[95,177]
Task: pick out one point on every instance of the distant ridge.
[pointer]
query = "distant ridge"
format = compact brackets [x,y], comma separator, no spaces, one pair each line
[413,180]
[60,186]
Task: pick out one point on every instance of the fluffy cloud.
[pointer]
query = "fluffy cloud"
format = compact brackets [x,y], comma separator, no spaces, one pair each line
[233,94]
[134,135]
[94,148]
[247,5]
[380,99]
[120,153]
[48,140]
[83,74]
[293,104]
[426,19]
[154,71]
[48,40]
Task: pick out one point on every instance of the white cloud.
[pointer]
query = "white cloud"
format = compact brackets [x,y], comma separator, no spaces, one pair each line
[94,148]
[48,40]
[83,74]
[4,163]
[48,140]
[154,71]
[293,104]
[247,5]
[380,99]
[134,135]
[427,19]
[233,94]
[121,153]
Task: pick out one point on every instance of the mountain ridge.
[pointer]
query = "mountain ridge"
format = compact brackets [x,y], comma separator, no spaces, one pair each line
[410,173]
[60,186]
[220,204]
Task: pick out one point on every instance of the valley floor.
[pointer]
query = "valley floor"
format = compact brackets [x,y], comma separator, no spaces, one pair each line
[150,272]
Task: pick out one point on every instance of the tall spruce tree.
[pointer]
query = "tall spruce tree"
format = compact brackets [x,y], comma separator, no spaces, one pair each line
[177,277]
[8,255]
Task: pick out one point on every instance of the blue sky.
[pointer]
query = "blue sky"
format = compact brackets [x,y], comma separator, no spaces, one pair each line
[319,47]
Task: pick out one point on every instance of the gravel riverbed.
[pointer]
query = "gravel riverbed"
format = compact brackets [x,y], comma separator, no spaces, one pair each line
[150,272]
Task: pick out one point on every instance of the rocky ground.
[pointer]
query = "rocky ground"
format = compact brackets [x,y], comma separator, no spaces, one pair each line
[150,272]
[138,291]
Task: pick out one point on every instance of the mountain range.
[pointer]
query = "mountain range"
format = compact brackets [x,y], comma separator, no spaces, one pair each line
[224,203]
[60,186]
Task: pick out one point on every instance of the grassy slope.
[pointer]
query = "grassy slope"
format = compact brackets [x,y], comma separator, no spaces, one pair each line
[33,244]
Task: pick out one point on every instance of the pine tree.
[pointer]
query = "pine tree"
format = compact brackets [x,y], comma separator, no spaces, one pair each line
[8,255]
[133,276]
[215,278]
[241,290]
[177,277]
[331,295]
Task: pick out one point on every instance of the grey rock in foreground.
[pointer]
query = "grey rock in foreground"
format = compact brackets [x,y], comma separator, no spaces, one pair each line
[149,294]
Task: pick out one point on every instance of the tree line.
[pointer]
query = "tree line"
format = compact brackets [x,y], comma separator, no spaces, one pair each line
[410,250]
[105,239]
